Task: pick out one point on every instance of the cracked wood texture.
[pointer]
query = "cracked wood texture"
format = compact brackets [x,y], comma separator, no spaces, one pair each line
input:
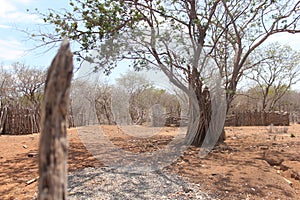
[53,141]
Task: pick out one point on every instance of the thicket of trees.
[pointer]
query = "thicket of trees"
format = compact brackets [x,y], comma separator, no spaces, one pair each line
[252,99]
[22,84]
[134,100]
[130,101]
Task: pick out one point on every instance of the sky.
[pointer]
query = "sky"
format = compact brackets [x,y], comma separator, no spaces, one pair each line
[15,46]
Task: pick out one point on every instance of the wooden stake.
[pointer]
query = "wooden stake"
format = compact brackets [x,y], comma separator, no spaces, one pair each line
[53,140]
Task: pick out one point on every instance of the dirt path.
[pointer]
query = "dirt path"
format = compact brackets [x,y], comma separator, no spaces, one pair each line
[255,164]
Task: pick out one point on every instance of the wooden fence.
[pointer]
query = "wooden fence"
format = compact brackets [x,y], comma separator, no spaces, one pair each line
[255,118]
[176,121]
[18,120]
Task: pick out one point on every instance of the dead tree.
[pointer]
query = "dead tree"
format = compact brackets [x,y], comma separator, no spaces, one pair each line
[53,140]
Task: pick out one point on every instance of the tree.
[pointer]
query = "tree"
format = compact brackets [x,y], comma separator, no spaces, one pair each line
[6,88]
[134,87]
[28,83]
[83,101]
[290,103]
[177,37]
[4,95]
[245,101]
[277,69]
[143,104]
[103,104]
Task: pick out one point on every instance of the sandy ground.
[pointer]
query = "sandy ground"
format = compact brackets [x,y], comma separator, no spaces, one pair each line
[255,163]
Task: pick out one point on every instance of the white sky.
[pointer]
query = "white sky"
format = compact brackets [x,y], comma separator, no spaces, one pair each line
[14,44]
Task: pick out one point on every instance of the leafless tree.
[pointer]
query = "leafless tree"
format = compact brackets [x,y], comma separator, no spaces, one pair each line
[132,86]
[277,69]
[28,83]
[103,104]
[83,102]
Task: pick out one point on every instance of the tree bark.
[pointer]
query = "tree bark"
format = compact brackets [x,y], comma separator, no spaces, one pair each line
[53,141]
[199,117]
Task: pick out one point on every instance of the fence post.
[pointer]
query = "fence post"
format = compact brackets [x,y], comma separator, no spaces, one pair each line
[53,141]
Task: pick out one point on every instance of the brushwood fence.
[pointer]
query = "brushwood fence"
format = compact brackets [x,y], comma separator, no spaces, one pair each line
[258,118]
[19,120]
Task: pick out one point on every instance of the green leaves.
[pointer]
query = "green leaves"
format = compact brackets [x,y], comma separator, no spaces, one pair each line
[139,64]
[162,10]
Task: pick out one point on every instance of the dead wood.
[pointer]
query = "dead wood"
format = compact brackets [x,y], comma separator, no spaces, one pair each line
[53,141]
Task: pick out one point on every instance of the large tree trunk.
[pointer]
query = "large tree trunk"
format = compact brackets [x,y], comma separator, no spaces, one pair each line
[199,117]
[53,142]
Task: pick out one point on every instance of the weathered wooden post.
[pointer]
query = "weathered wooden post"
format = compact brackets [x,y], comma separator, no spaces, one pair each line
[53,141]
